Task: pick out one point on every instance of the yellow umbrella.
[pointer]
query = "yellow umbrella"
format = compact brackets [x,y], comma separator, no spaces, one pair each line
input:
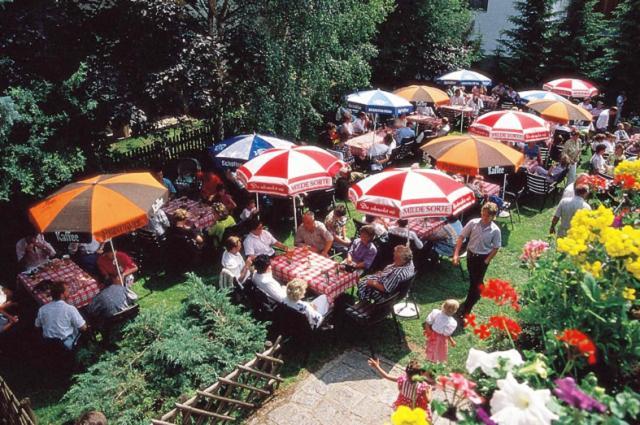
[559,111]
[423,94]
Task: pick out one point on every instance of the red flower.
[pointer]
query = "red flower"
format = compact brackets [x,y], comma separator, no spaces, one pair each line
[505,324]
[626,181]
[501,292]
[581,342]
[482,331]
[470,320]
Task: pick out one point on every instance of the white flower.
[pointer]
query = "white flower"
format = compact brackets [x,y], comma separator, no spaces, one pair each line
[488,362]
[519,404]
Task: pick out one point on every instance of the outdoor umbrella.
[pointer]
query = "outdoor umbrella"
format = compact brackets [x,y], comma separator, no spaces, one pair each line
[410,193]
[530,95]
[288,172]
[379,102]
[423,94]
[559,111]
[511,126]
[571,87]
[464,77]
[472,155]
[104,206]
[235,151]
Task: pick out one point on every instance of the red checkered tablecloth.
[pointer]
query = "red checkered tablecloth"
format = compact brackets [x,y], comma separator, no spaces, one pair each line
[319,272]
[487,188]
[425,120]
[425,227]
[201,214]
[81,286]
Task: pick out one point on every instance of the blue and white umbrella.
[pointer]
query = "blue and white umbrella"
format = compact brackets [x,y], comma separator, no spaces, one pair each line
[378,102]
[233,152]
[530,95]
[464,77]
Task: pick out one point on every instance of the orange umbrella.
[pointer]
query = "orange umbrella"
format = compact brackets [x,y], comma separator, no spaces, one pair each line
[104,206]
[559,111]
[423,94]
[472,155]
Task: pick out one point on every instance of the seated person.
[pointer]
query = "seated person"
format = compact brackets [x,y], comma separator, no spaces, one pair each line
[232,177]
[264,281]
[33,250]
[380,153]
[221,196]
[210,183]
[403,132]
[475,103]
[110,301]
[444,128]
[444,239]
[458,98]
[86,254]
[362,251]
[384,283]
[346,127]
[250,211]
[598,163]
[107,266]
[336,223]
[314,234]
[621,134]
[361,124]
[400,229]
[157,173]
[425,109]
[232,259]
[58,319]
[329,137]
[556,171]
[379,225]
[532,157]
[617,157]
[158,223]
[7,320]
[223,221]
[315,311]
[259,241]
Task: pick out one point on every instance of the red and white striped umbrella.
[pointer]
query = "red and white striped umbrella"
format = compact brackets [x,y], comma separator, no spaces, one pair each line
[511,126]
[408,193]
[571,87]
[287,172]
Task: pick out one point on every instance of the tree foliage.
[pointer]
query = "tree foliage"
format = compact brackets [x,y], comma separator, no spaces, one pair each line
[625,61]
[526,45]
[164,354]
[421,40]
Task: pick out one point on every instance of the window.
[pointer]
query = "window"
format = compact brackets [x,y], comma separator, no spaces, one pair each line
[480,5]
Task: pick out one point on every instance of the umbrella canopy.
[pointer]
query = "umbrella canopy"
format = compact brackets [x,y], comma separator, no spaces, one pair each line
[408,193]
[379,102]
[530,95]
[512,126]
[233,152]
[571,87]
[287,172]
[423,94]
[104,206]
[472,155]
[464,77]
[561,112]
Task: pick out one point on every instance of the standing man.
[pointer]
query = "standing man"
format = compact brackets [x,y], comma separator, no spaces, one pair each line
[567,209]
[485,239]
[620,100]
[604,119]
[573,149]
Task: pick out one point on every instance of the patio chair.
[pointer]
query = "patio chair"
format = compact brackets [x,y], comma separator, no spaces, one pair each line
[321,202]
[544,156]
[539,186]
[186,182]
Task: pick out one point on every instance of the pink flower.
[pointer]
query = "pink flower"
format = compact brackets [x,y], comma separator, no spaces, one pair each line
[461,385]
[533,249]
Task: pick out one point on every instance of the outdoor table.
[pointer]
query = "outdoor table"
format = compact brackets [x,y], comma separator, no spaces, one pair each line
[425,227]
[360,145]
[320,273]
[201,214]
[487,188]
[490,102]
[426,121]
[82,288]
[452,111]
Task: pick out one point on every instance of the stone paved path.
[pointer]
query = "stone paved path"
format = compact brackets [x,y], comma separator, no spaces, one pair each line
[346,391]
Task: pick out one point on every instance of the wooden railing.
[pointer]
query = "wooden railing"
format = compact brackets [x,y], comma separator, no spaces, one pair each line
[233,396]
[12,410]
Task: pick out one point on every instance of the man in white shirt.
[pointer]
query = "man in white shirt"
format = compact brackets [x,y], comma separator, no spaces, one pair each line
[232,259]
[60,320]
[264,281]
[476,104]
[603,119]
[33,250]
[598,163]
[401,230]
[361,124]
[567,209]
[86,254]
[158,223]
[458,98]
[259,241]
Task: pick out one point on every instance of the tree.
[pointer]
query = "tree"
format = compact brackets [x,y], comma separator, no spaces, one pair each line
[625,62]
[421,40]
[526,45]
[580,41]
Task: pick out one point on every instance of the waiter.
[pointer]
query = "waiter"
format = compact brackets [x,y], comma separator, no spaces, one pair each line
[485,239]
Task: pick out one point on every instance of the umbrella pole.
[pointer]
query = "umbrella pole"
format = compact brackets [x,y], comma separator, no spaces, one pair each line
[504,184]
[257,201]
[115,259]
[461,121]
[295,215]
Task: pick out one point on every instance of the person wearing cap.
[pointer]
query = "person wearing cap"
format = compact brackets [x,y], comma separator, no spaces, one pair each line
[572,149]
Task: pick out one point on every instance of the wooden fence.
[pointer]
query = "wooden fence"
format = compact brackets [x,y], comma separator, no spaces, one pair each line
[12,410]
[188,142]
[233,396]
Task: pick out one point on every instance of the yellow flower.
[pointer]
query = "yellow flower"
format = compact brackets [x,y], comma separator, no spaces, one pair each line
[405,416]
[633,267]
[621,242]
[629,294]
[594,268]
[571,246]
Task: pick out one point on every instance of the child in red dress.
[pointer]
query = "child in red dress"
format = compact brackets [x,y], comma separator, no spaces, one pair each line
[438,328]
[414,386]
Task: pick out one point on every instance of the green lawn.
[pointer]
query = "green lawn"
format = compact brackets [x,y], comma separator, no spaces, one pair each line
[125,145]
